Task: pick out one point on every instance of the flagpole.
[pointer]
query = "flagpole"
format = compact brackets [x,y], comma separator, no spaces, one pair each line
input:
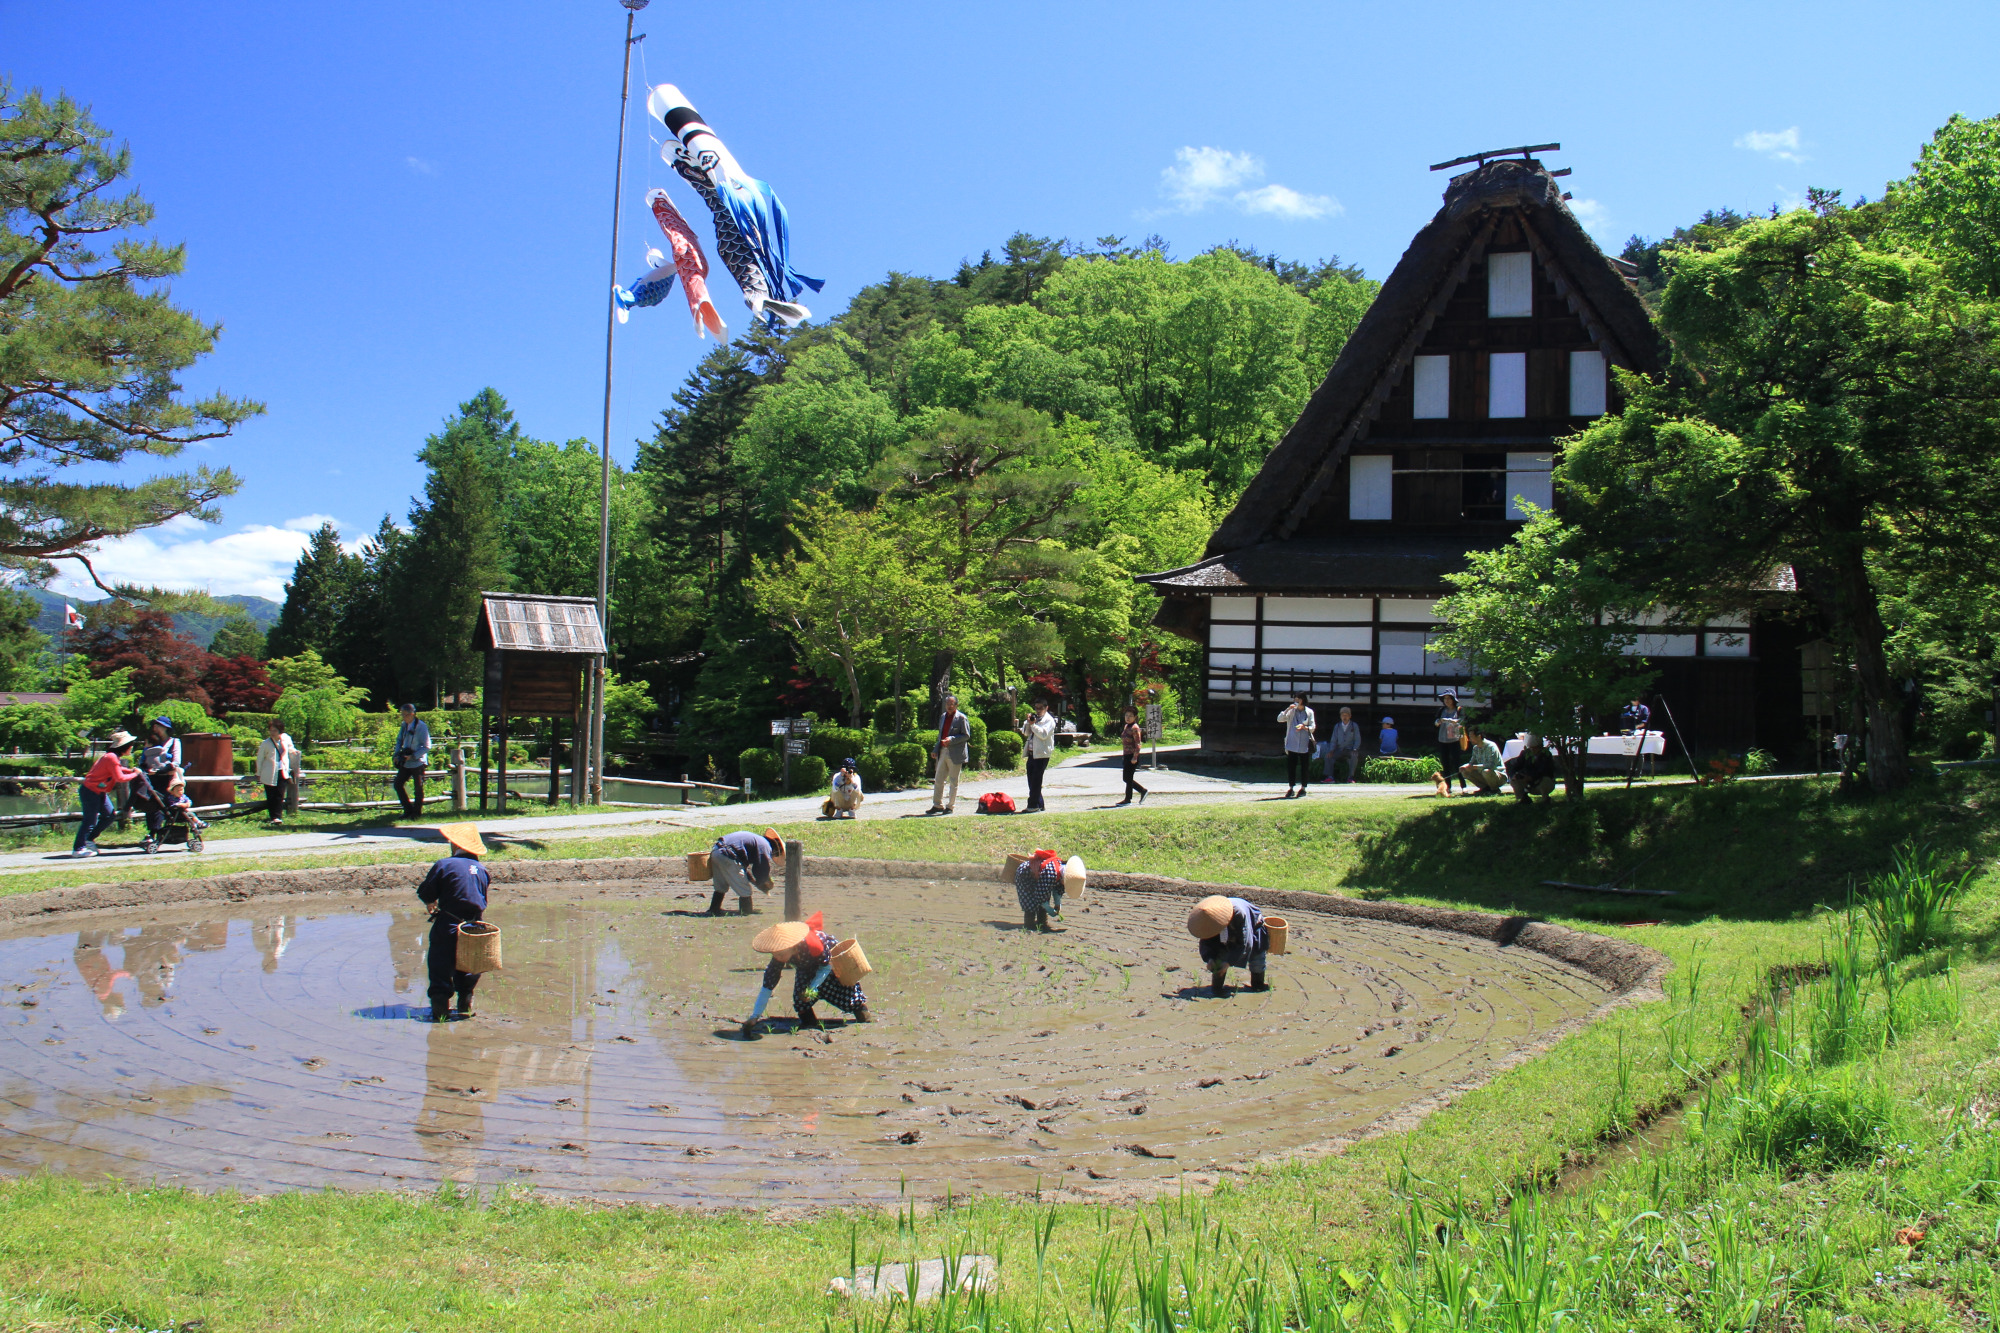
[595,794]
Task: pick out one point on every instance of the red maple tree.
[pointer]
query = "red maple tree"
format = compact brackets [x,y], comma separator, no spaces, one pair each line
[165,665]
[240,685]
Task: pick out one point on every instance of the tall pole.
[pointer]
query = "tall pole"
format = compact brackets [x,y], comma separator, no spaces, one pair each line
[596,699]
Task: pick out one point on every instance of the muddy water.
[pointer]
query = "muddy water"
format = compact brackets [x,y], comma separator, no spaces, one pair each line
[244,1048]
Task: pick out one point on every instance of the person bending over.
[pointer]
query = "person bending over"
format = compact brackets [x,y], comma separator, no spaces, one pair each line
[1232,934]
[743,861]
[807,949]
[1038,882]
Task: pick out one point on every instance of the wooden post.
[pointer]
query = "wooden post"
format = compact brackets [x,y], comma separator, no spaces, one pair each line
[795,869]
[458,779]
[500,805]
[555,759]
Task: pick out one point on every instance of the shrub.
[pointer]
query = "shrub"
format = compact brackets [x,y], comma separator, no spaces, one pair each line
[763,766]
[185,716]
[915,704]
[998,716]
[1810,1118]
[37,728]
[906,764]
[1760,761]
[1398,768]
[1003,749]
[975,756]
[835,743]
[808,772]
[874,770]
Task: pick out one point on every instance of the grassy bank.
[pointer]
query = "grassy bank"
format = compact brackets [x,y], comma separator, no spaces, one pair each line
[1749,862]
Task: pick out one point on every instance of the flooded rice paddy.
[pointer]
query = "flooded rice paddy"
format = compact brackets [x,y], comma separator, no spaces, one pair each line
[238,1047]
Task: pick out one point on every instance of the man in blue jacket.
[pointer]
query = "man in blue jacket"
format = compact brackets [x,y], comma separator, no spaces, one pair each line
[455,889]
[742,861]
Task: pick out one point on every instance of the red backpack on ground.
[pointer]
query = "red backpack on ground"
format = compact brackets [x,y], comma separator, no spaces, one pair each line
[996,803]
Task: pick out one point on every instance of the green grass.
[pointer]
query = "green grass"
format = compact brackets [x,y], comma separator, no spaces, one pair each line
[1751,861]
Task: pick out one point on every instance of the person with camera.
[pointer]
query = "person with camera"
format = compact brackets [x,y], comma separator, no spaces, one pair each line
[413,756]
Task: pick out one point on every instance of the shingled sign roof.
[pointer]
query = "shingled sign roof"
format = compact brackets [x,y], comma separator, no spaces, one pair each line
[1304,464]
[525,622]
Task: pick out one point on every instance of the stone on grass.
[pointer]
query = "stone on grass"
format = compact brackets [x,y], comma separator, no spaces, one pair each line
[975,1272]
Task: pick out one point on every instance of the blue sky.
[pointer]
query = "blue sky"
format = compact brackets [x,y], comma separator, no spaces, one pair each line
[390,206]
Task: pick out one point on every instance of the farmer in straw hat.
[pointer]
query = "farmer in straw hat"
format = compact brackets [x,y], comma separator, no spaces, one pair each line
[803,946]
[1038,881]
[455,888]
[741,860]
[1232,934]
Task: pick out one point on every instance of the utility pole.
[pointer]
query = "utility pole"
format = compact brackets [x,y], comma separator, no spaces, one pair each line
[596,684]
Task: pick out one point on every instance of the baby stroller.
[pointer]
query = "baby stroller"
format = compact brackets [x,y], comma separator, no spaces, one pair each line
[177,826]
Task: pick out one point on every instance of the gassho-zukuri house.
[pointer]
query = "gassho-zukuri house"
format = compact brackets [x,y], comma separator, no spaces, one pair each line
[1492,339]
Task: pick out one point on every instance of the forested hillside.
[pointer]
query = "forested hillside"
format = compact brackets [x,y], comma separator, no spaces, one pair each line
[954,478]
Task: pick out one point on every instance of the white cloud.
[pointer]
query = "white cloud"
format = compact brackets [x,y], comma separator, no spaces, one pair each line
[1202,177]
[256,559]
[1783,145]
[420,167]
[1595,217]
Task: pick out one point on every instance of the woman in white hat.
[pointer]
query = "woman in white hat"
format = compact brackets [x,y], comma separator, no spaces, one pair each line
[804,947]
[1232,934]
[455,888]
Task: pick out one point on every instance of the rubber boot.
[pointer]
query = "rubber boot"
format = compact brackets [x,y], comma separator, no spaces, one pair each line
[745,906]
[464,1004]
[861,1014]
[1028,921]
[1257,981]
[808,1020]
[715,903]
[440,1009]
[1218,982]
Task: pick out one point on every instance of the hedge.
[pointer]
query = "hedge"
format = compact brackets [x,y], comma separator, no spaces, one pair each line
[835,743]
[874,770]
[906,764]
[808,773]
[763,766]
[1003,749]
[1396,768]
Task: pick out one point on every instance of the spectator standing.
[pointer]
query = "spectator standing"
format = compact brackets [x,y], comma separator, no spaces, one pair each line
[106,773]
[279,768]
[1451,739]
[1039,735]
[1133,737]
[1482,763]
[1298,722]
[413,756]
[953,749]
[1533,771]
[1343,746]
[845,798]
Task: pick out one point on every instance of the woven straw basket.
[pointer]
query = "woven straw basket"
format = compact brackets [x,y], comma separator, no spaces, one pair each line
[849,963]
[1281,931]
[697,867]
[479,947]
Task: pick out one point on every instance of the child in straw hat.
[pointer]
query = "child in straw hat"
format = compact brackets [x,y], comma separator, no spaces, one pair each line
[1038,882]
[455,888]
[741,861]
[1232,934]
[804,947]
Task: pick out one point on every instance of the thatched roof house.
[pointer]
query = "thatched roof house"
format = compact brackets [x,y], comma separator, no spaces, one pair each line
[1491,340]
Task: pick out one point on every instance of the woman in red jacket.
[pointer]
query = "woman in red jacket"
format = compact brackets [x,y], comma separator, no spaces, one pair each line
[106,773]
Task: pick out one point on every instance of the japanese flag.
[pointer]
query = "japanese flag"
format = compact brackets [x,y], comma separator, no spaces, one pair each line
[72,617]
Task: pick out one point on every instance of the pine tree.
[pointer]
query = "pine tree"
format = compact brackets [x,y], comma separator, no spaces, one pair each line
[317,599]
[457,548]
[364,651]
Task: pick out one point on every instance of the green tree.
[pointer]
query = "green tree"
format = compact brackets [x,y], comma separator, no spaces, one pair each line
[1547,628]
[319,598]
[1830,404]
[1949,205]
[457,548]
[95,703]
[25,659]
[845,593]
[90,346]
[239,636]
[315,700]
[365,649]
[553,498]
[309,671]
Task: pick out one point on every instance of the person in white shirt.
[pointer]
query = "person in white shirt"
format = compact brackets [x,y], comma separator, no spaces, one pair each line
[1039,732]
[845,798]
[413,756]
[1298,723]
[278,768]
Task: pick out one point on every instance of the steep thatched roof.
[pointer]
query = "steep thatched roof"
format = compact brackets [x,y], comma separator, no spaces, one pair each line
[1300,469]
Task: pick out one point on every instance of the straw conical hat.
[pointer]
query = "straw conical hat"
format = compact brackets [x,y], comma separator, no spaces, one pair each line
[464,837]
[777,844]
[1210,917]
[787,933]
